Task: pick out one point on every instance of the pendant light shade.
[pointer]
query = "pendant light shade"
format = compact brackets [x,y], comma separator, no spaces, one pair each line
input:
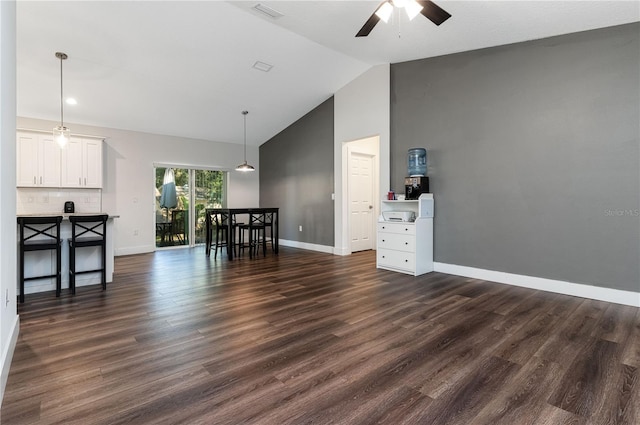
[244,167]
[61,134]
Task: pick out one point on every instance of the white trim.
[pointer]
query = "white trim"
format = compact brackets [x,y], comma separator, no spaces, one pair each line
[341,251]
[90,136]
[305,245]
[132,250]
[558,286]
[7,355]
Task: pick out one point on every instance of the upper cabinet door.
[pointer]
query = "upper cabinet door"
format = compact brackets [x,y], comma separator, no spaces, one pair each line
[82,163]
[27,161]
[50,161]
[38,161]
[92,159]
[72,163]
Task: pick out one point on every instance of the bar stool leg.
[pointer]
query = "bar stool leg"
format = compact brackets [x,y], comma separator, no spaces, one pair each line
[104,267]
[72,268]
[59,269]
[21,276]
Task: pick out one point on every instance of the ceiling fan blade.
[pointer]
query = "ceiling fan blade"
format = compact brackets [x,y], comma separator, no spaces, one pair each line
[368,26]
[433,12]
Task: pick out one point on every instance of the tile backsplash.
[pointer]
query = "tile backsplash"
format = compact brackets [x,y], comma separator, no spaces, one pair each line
[51,200]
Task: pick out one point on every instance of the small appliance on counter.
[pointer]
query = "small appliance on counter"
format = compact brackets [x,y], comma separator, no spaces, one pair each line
[69,207]
[399,216]
[415,186]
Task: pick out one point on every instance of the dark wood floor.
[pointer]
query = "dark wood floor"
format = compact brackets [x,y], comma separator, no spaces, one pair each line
[311,338]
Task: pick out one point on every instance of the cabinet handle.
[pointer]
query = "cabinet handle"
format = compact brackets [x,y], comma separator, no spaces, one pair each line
[85,181]
[34,179]
[383,240]
[40,179]
[406,243]
[383,256]
[79,181]
[406,261]
[406,229]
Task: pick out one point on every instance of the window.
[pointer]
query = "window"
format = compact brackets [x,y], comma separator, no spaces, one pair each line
[182,195]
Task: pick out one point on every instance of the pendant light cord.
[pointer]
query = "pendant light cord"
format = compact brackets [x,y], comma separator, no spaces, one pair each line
[62,56]
[61,97]
[245,135]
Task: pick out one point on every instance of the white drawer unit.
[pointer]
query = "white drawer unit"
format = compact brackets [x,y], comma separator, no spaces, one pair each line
[397,241]
[407,247]
[396,260]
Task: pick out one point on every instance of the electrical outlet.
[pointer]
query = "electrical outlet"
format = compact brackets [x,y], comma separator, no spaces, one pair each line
[300,228]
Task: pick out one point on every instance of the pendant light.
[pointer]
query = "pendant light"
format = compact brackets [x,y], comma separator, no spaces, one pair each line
[61,133]
[244,167]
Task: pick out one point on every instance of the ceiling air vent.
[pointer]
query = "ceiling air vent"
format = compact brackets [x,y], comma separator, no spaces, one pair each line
[266,10]
[262,66]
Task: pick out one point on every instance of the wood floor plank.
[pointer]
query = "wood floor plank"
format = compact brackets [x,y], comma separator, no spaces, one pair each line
[307,337]
[586,380]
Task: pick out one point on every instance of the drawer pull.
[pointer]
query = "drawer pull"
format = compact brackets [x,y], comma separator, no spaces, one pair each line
[406,243]
[406,230]
[384,256]
[406,261]
[383,240]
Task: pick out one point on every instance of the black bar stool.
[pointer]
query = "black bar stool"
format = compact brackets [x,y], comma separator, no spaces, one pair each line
[86,231]
[40,234]
[255,232]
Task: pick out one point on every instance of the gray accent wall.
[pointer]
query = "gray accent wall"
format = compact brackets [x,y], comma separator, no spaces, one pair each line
[296,175]
[533,154]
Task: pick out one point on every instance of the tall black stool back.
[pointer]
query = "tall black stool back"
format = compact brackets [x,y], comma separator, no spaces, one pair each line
[40,234]
[87,231]
[270,220]
[256,233]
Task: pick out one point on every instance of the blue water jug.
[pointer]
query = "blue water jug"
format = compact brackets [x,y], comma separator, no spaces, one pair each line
[417,162]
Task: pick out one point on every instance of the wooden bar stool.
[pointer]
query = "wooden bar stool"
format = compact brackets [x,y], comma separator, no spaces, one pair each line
[40,234]
[87,231]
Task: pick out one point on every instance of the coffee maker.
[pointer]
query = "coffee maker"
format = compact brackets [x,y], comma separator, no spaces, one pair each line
[415,186]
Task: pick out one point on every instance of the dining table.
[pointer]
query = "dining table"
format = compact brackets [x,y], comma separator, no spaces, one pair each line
[233,214]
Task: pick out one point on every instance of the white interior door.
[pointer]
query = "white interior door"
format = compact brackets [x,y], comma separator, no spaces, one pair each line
[361,202]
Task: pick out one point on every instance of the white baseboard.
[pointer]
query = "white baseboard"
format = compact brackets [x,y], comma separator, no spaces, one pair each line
[132,250]
[305,245]
[7,355]
[558,286]
[341,251]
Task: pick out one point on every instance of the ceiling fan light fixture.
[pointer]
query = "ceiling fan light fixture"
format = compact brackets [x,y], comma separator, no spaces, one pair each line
[384,11]
[413,8]
[244,167]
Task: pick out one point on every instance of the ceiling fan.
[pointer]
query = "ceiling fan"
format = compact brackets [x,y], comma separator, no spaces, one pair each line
[429,9]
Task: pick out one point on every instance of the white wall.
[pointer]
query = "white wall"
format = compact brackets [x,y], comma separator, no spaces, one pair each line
[9,324]
[128,190]
[361,110]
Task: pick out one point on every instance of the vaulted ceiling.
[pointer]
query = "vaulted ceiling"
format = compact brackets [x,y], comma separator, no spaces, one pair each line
[185,68]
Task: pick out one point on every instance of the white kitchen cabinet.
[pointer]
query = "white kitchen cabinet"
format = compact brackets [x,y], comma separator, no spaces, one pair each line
[38,160]
[407,247]
[82,163]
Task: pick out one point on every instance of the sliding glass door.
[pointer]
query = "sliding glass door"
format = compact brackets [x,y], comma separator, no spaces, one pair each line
[182,195]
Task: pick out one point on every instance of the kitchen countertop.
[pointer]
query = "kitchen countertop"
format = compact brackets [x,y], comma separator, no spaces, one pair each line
[65,216]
